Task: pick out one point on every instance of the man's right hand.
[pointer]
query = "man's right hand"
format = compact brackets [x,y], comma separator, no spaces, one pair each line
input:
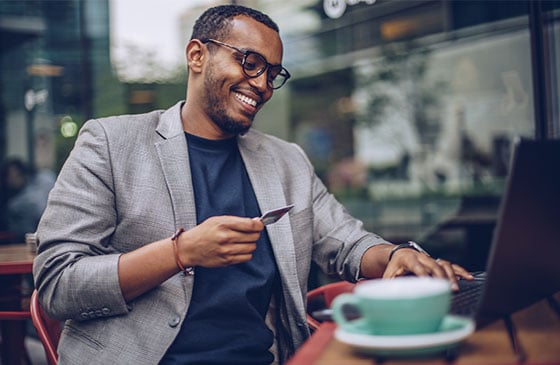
[220,241]
[216,242]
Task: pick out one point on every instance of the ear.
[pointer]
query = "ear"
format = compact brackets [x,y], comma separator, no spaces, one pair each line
[196,54]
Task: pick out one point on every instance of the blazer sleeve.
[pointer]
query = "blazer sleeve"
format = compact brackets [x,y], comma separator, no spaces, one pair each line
[76,269]
[339,239]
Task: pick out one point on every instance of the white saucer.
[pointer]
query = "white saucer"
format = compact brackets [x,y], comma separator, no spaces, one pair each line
[453,330]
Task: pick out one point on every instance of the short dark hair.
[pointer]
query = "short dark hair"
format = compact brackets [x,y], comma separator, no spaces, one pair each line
[215,22]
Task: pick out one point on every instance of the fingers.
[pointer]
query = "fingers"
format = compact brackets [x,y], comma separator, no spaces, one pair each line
[231,230]
[462,272]
[408,261]
[239,224]
[393,272]
[239,254]
[449,273]
[413,262]
[453,272]
[221,241]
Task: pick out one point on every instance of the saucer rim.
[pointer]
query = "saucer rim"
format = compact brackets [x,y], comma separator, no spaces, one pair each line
[408,342]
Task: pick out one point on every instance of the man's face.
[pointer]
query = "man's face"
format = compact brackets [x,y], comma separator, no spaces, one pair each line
[233,99]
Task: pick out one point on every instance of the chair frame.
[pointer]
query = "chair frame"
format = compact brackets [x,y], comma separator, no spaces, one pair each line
[48,329]
[327,293]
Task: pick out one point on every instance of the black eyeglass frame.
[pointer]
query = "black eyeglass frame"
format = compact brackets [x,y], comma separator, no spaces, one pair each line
[246,53]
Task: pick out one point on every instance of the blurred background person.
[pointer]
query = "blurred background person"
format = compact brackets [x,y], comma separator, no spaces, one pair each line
[23,197]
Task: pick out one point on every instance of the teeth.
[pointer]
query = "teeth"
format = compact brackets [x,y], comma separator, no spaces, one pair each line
[246,99]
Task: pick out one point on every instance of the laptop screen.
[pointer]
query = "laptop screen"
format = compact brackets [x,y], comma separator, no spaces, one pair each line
[523,266]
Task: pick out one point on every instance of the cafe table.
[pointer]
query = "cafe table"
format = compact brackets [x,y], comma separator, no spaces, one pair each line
[530,336]
[16,261]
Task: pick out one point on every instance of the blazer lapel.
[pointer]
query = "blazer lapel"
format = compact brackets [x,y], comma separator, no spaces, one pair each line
[174,159]
[268,189]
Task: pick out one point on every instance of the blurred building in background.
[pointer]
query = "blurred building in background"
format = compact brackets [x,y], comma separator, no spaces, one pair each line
[56,73]
[407,109]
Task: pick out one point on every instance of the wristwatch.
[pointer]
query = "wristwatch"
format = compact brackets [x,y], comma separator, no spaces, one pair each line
[409,244]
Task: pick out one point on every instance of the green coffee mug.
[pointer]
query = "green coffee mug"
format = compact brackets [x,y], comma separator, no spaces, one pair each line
[400,306]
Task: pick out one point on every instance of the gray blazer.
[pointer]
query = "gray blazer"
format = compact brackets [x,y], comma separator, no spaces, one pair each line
[127,183]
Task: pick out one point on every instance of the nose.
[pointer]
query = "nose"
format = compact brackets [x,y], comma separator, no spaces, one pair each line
[261,82]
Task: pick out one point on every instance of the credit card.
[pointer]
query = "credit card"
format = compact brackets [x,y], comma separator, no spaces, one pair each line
[272,216]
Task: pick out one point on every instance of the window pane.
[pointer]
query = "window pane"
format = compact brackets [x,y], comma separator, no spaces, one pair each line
[411,117]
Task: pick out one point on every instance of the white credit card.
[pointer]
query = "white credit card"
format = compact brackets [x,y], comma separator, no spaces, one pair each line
[272,216]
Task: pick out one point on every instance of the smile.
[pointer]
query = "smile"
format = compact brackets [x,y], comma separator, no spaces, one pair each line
[246,99]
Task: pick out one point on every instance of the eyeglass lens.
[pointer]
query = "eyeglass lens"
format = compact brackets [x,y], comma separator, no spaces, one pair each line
[254,65]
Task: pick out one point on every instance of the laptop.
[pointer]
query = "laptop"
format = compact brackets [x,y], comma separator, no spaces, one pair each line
[523,265]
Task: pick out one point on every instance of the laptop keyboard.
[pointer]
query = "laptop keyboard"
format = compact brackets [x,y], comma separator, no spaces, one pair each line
[465,301]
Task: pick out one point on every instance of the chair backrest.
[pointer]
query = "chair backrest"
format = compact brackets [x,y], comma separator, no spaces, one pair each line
[48,329]
[325,295]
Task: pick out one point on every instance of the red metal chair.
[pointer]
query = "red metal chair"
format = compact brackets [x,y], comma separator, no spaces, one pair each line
[14,311]
[324,295]
[48,329]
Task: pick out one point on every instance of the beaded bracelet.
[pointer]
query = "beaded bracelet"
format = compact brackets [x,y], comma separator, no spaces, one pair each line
[189,270]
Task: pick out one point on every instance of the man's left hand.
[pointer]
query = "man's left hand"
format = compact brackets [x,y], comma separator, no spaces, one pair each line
[409,261]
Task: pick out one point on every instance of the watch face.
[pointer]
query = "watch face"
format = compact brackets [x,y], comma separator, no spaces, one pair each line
[415,246]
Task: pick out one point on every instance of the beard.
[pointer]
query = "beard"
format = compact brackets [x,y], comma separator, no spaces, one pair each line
[216,109]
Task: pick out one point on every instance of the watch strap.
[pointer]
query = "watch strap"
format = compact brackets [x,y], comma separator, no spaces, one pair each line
[410,244]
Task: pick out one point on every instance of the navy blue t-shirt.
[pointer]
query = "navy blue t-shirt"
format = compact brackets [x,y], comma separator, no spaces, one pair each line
[225,321]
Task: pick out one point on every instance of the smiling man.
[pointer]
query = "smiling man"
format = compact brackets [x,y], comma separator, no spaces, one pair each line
[222,289]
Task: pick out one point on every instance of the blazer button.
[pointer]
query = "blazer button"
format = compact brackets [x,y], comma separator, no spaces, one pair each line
[174,322]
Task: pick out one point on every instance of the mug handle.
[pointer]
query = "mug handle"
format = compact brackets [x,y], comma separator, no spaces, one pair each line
[355,325]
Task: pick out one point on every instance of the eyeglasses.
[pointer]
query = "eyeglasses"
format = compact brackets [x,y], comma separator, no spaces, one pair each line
[254,64]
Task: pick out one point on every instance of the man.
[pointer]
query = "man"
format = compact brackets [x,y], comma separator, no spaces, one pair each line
[223,290]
